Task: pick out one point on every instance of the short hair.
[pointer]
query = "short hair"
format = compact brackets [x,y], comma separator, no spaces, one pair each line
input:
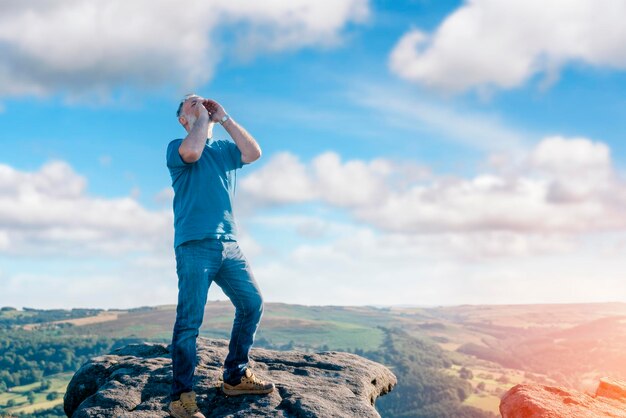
[179,111]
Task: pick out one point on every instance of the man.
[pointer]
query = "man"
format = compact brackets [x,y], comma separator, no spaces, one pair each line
[206,249]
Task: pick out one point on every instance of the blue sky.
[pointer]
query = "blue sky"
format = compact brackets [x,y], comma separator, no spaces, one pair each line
[414,152]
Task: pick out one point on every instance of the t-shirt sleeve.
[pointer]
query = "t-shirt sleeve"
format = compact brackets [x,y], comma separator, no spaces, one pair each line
[173,156]
[232,155]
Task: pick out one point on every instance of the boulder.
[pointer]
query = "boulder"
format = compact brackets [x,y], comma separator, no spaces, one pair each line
[134,381]
[542,401]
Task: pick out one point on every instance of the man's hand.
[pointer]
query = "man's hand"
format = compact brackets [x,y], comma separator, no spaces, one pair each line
[199,111]
[215,110]
[202,113]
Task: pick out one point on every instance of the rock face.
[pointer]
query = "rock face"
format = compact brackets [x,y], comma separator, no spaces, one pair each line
[539,401]
[134,381]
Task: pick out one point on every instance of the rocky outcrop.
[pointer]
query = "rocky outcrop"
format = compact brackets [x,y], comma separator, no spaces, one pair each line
[134,381]
[540,401]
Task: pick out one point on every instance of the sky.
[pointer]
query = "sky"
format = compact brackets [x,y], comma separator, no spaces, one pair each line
[414,152]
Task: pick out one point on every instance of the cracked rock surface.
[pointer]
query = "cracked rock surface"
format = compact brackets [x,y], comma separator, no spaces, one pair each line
[134,381]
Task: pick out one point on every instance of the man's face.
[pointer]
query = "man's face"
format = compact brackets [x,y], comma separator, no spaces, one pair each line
[190,111]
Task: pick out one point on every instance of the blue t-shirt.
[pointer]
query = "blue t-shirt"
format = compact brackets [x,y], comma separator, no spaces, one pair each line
[203,191]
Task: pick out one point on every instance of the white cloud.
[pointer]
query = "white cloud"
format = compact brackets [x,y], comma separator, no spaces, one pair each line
[337,181]
[49,212]
[502,44]
[285,179]
[81,47]
[363,266]
[568,156]
[563,186]
[4,240]
[278,25]
[562,160]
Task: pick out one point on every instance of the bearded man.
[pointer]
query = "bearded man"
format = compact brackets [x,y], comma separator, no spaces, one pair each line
[205,245]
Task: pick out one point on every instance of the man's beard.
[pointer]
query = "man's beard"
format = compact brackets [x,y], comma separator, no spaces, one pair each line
[191,120]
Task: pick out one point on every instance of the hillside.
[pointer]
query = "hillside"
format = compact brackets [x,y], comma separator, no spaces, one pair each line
[460,358]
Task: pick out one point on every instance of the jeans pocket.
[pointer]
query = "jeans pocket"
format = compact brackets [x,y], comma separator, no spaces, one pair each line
[195,253]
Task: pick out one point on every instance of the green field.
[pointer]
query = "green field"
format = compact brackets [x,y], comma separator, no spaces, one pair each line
[18,395]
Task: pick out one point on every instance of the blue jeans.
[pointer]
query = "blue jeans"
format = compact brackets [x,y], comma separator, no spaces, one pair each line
[198,264]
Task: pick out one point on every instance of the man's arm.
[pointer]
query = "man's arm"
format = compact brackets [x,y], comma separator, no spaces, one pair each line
[250,149]
[192,146]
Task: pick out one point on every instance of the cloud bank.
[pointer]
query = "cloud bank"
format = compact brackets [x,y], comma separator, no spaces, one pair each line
[80,47]
[563,186]
[502,44]
[49,212]
[560,187]
[545,227]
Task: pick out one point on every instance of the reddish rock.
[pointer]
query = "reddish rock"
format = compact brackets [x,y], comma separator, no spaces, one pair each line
[612,388]
[541,401]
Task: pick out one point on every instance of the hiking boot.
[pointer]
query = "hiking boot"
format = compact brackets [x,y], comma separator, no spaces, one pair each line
[185,407]
[249,384]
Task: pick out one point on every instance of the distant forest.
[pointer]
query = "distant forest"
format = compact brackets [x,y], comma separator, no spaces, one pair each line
[423,390]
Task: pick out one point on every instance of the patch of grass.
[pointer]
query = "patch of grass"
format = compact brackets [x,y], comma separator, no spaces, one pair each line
[136,328]
[361,315]
[58,384]
[484,401]
[16,314]
[40,403]
[337,335]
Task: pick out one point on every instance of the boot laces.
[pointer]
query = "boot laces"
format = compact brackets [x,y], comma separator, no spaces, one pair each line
[255,380]
[189,405]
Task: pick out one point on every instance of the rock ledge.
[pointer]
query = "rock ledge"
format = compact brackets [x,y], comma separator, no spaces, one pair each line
[134,381]
[541,401]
